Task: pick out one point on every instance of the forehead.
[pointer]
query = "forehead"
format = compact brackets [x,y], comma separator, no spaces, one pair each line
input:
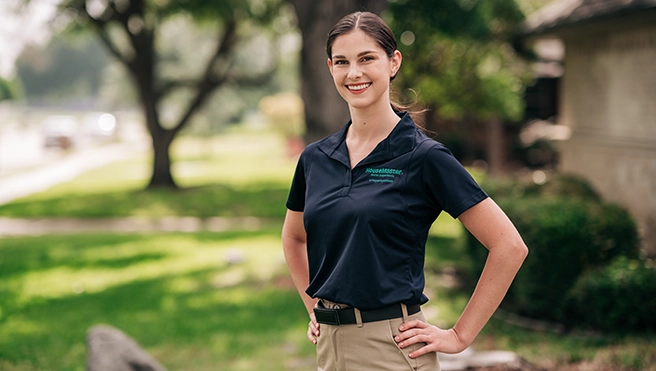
[353,43]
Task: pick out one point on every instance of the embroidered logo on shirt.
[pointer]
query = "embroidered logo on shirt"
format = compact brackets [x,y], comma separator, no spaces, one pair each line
[383,174]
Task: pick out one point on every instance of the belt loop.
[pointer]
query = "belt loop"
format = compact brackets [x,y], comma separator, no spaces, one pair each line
[358,317]
[404,310]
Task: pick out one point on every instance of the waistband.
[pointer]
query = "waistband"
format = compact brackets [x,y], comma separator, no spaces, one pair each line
[346,316]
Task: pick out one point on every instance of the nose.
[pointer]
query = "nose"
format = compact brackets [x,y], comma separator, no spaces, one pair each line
[354,72]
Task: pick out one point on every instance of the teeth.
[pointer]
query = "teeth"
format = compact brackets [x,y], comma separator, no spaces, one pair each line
[358,87]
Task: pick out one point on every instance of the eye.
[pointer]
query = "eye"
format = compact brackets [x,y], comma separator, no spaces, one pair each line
[340,61]
[367,58]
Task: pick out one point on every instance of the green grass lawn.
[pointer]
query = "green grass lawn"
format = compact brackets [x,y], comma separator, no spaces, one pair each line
[179,296]
[198,300]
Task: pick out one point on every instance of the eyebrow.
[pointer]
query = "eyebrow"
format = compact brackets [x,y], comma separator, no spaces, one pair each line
[359,54]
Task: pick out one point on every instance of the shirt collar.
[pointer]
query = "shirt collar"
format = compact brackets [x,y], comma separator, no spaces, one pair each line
[398,142]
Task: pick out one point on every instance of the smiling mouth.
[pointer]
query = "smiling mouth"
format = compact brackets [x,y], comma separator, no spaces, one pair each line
[358,86]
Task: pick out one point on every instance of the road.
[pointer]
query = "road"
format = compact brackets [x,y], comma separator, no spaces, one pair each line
[27,167]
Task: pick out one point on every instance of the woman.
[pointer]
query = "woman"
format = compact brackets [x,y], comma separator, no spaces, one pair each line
[359,210]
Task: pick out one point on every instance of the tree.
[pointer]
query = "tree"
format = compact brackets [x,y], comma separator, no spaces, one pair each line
[129,29]
[458,55]
[458,59]
[325,110]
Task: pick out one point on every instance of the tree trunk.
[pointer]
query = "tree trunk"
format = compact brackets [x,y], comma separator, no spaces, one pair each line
[142,61]
[161,176]
[143,71]
[325,110]
[496,146]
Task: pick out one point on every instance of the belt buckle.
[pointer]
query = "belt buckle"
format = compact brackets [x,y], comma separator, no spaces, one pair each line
[326,316]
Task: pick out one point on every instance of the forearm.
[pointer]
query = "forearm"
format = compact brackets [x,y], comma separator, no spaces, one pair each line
[500,269]
[487,222]
[297,263]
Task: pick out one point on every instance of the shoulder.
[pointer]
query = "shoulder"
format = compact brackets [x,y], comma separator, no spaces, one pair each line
[439,150]
[324,145]
[436,158]
[431,149]
[327,144]
[309,149]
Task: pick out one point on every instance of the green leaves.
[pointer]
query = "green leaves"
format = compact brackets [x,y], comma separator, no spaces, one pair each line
[458,58]
[6,90]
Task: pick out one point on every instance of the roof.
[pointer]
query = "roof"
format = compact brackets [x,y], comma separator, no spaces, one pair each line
[562,13]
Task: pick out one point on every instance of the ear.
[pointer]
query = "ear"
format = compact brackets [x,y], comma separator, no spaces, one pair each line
[330,65]
[395,63]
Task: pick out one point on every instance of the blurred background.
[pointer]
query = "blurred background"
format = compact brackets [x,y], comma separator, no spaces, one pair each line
[147,146]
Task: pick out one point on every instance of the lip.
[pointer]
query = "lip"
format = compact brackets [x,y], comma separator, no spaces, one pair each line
[358,88]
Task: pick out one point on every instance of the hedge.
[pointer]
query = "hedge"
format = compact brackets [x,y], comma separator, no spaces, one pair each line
[569,231]
[620,297]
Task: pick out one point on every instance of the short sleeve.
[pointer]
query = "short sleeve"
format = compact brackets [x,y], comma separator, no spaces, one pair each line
[448,183]
[296,197]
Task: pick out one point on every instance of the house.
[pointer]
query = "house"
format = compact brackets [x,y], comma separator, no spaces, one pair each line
[607,97]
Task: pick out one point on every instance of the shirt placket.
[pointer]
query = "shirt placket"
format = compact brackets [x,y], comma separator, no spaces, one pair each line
[348,182]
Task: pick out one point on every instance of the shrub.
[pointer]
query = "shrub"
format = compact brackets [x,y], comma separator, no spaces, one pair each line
[565,186]
[620,297]
[566,237]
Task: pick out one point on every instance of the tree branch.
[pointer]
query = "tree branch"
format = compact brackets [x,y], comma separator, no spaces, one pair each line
[171,85]
[211,79]
[223,49]
[101,26]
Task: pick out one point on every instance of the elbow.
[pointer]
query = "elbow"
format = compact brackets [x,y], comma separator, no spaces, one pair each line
[513,247]
[292,242]
[520,250]
[513,250]
[524,252]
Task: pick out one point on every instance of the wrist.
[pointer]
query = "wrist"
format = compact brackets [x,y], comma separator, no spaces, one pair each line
[461,338]
[310,304]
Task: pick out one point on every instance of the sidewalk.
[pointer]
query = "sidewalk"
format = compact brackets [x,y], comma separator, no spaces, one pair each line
[23,184]
[43,226]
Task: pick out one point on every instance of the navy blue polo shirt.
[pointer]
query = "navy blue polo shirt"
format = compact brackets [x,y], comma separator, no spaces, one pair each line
[367,227]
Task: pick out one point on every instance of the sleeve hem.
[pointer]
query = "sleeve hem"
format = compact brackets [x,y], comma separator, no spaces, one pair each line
[468,203]
[294,207]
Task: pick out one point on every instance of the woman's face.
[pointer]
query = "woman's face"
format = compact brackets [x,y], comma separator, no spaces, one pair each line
[361,70]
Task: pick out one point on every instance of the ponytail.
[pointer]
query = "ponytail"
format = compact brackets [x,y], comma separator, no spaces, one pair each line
[418,114]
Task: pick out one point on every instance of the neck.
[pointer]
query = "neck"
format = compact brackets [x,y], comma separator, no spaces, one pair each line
[372,124]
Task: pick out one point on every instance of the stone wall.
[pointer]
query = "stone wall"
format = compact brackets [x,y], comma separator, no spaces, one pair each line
[608,98]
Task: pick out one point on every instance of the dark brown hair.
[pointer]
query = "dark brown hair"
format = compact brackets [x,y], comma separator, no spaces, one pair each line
[377,29]
[370,24]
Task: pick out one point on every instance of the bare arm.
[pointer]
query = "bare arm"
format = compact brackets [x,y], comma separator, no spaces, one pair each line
[295,248]
[490,225]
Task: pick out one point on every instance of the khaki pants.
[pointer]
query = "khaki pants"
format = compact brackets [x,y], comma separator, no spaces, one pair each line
[370,346]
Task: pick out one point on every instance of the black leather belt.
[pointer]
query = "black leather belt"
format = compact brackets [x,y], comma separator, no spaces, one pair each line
[346,316]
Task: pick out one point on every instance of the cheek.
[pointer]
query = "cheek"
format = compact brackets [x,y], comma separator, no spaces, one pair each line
[338,76]
[337,81]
